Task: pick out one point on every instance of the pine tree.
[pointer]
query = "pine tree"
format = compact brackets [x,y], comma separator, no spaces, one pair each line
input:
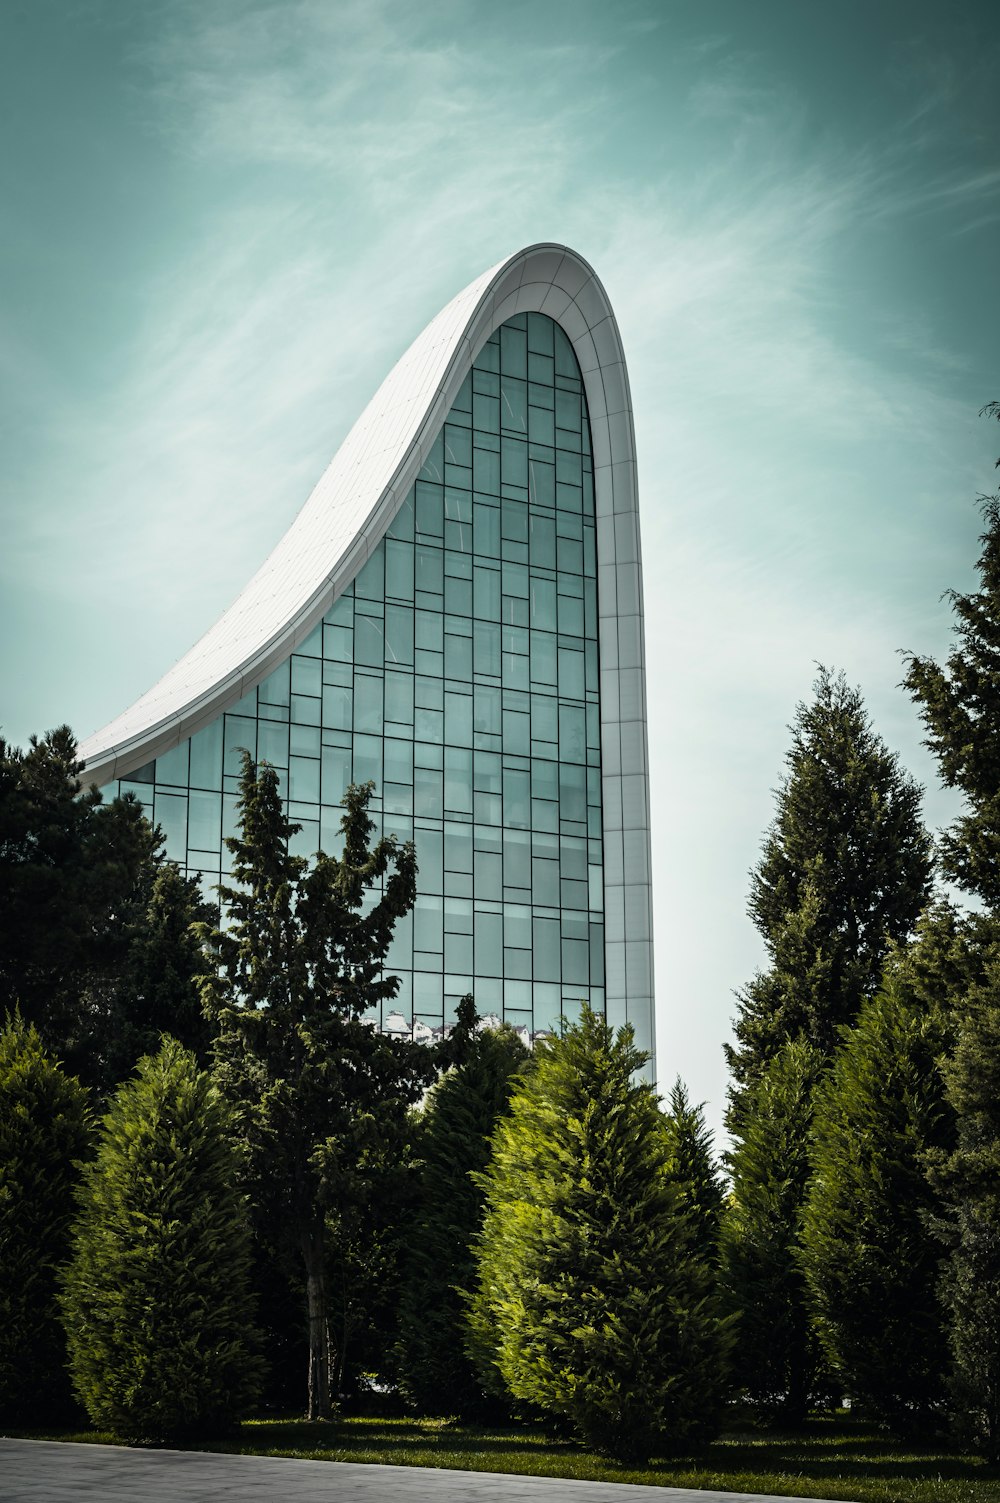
[292,982]
[968,1179]
[43,1132]
[156,1299]
[453,1143]
[592,1302]
[870,1260]
[693,1169]
[844,872]
[960,707]
[777,1360]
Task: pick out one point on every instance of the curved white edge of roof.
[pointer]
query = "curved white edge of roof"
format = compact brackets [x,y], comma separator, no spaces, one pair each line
[349,512]
[354,502]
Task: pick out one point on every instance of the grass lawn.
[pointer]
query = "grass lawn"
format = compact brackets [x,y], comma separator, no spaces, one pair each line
[831,1458]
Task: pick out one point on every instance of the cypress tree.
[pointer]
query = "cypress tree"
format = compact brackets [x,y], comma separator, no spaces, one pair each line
[43,1132]
[592,1302]
[777,1360]
[968,1179]
[692,1167]
[870,1260]
[844,872]
[453,1145]
[960,708]
[156,1299]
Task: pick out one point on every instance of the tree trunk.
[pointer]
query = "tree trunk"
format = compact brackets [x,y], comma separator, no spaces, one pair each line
[318,1322]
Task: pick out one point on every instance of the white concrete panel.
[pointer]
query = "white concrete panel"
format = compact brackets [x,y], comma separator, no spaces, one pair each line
[627,589]
[637,963]
[607,589]
[592,302]
[614,914]
[586,356]
[600,441]
[614,970]
[634,812]
[574,274]
[630,653]
[555,303]
[626,538]
[574,323]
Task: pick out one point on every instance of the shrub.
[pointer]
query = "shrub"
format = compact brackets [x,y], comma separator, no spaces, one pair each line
[43,1131]
[157,1300]
[592,1301]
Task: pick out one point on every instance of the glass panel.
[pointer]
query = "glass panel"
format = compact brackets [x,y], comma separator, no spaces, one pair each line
[206,757]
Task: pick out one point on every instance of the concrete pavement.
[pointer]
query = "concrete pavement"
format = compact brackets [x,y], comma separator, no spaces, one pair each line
[41,1471]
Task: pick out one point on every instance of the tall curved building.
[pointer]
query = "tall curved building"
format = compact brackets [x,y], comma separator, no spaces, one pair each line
[455,613]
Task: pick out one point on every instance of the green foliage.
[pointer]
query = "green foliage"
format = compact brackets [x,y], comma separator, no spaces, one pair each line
[68,863]
[453,1143]
[692,1167]
[777,1354]
[293,979]
[969,1181]
[156,1300]
[960,707]
[592,1302]
[43,1131]
[870,1260]
[149,984]
[844,872]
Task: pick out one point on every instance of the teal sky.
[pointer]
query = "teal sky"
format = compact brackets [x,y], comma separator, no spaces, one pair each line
[223,222]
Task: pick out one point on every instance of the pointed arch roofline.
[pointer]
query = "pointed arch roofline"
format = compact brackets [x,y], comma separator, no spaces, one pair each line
[357,497]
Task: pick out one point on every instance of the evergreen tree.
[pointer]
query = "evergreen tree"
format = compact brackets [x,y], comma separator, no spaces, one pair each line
[150,980]
[293,980]
[592,1301]
[960,707]
[692,1167]
[43,1132]
[844,872]
[870,1260]
[156,1300]
[68,863]
[777,1359]
[453,1144]
[968,1179]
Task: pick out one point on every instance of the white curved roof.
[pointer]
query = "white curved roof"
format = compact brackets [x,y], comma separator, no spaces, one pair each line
[349,512]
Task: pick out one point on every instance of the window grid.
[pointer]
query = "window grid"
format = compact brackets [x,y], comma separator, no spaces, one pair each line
[459,672]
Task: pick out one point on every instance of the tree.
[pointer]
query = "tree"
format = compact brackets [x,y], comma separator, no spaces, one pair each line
[592,1302]
[968,1179]
[68,863]
[844,872]
[960,707]
[777,1358]
[293,979]
[692,1167]
[149,984]
[43,1132]
[156,1299]
[869,1258]
[452,1145]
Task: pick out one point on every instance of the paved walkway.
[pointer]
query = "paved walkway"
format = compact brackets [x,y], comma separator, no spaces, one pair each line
[44,1471]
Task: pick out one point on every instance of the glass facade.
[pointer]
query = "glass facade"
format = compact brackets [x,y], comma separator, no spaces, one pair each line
[459,672]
